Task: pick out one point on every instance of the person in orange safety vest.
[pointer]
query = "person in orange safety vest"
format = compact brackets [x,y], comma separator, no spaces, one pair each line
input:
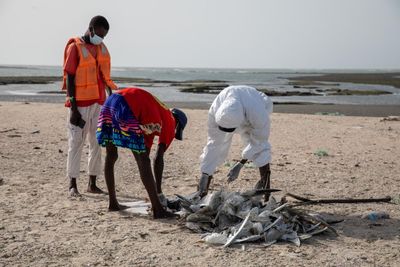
[86,79]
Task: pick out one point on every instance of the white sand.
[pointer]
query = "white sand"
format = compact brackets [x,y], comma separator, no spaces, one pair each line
[40,225]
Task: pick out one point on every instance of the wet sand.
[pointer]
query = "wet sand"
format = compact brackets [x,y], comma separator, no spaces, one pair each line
[294,108]
[306,108]
[346,110]
[41,226]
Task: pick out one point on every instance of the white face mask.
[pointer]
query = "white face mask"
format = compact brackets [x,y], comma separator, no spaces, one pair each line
[96,40]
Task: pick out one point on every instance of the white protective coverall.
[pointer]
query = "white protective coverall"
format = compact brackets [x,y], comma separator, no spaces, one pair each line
[246,109]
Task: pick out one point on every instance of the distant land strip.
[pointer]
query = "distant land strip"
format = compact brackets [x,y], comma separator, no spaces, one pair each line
[215,86]
[392,79]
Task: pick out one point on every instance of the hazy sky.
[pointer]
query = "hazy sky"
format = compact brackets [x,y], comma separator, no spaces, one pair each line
[210,33]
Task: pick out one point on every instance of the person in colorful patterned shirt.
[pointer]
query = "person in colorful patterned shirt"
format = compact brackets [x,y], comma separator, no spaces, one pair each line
[131,118]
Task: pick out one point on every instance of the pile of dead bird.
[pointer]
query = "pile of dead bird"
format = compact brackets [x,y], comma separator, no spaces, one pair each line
[228,218]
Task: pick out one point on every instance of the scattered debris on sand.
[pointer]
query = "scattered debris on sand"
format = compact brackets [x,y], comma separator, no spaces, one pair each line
[227,218]
[391,118]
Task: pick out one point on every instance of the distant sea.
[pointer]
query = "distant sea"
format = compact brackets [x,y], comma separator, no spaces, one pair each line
[274,79]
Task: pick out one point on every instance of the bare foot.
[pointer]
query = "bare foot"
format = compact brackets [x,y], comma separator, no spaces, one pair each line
[164,214]
[73,192]
[117,207]
[94,189]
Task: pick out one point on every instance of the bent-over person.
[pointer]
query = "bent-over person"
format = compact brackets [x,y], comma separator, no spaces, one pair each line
[246,111]
[131,118]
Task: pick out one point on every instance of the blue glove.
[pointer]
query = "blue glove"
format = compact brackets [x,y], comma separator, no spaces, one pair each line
[233,173]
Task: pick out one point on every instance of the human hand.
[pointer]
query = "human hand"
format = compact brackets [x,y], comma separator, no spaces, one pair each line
[108,91]
[233,173]
[75,117]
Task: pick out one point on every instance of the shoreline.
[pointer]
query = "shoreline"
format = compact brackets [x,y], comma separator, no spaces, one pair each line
[305,85]
[306,108]
[312,84]
[291,108]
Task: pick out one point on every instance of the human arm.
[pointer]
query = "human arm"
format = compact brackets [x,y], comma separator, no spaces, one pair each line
[146,175]
[159,166]
[75,115]
[70,67]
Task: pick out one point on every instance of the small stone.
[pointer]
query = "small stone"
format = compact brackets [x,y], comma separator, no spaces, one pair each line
[13,135]
[143,235]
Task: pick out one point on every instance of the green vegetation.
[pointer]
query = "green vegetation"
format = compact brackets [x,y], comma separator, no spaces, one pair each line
[321,153]
[363,78]
[308,83]
[203,88]
[356,92]
[287,93]
[396,200]
[215,89]
[329,113]
[28,79]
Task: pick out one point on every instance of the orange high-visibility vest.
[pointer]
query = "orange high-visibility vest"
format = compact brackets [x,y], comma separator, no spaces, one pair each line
[86,85]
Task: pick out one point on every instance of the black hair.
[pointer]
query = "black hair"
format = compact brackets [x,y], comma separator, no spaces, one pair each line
[99,21]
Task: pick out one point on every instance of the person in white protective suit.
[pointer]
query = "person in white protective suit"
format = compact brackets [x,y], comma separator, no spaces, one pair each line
[242,110]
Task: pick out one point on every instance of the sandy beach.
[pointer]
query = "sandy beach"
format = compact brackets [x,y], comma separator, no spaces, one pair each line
[41,226]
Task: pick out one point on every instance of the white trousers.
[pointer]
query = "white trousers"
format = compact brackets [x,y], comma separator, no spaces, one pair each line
[76,141]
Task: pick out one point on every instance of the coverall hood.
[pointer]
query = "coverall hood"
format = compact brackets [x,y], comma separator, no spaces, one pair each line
[230,114]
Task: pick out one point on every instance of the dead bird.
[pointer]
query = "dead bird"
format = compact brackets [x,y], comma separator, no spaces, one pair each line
[257,192]
[272,235]
[199,227]
[198,217]
[236,217]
